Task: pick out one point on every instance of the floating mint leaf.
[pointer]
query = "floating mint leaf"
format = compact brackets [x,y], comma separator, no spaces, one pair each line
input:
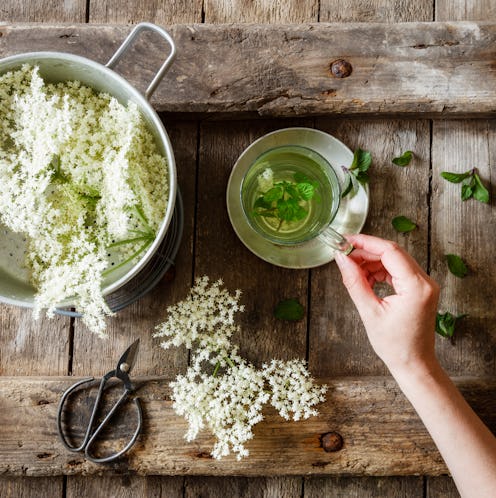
[289,310]
[306,190]
[404,159]
[274,194]
[403,224]
[456,265]
[445,324]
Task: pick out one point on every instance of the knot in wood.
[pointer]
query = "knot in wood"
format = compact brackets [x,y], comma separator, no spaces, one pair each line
[341,68]
[331,441]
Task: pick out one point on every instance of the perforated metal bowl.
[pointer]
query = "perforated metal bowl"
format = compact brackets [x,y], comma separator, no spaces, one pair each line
[15,287]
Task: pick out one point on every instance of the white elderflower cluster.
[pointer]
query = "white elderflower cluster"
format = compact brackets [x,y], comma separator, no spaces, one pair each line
[221,391]
[81,177]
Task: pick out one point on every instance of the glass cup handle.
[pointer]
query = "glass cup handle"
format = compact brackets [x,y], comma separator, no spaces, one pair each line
[335,240]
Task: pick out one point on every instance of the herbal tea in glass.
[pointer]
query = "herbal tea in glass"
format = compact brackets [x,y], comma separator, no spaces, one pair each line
[290,194]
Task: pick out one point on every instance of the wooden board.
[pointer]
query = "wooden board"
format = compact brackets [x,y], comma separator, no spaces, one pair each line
[429,69]
[381,432]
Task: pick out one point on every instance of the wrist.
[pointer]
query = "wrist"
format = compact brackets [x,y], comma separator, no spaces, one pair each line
[416,370]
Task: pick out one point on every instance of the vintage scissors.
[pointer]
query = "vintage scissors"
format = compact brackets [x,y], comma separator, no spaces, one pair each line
[121,372]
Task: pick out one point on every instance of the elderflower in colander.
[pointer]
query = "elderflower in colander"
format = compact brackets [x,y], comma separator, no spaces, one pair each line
[80,176]
[221,391]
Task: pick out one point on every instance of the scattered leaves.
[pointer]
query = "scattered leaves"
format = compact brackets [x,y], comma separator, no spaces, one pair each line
[446,324]
[290,310]
[471,184]
[403,224]
[404,159]
[456,265]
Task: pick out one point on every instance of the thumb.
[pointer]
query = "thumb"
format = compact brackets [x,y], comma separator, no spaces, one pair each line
[356,284]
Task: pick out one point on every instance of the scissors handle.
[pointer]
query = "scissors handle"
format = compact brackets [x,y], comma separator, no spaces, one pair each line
[103,424]
[91,436]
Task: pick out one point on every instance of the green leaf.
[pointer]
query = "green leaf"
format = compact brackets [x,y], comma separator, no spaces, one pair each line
[456,177]
[286,210]
[348,185]
[362,177]
[306,190]
[446,324]
[273,194]
[456,265]
[404,159]
[362,160]
[290,310]
[479,191]
[300,178]
[403,224]
[466,192]
[262,203]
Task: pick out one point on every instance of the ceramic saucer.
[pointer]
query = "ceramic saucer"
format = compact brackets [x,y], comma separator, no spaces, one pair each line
[350,217]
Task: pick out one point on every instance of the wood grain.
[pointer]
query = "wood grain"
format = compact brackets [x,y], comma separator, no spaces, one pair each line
[382,434]
[43,11]
[435,69]
[370,487]
[260,11]
[441,487]
[466,229]
[338,343]
[466,10]
[156,11]
[375,11]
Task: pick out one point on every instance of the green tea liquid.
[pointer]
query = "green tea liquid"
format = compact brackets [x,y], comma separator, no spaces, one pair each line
[284,163]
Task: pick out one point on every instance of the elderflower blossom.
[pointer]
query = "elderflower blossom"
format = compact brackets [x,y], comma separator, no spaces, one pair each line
[293,392]
[205,317]
[80,173]
[229,405]
[221,391]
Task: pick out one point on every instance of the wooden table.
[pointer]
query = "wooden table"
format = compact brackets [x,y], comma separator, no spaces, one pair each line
[412,91]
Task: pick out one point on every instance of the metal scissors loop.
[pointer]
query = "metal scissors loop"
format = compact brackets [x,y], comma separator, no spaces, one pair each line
[121,372]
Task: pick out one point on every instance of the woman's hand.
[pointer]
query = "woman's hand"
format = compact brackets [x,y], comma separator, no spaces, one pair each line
[401,326]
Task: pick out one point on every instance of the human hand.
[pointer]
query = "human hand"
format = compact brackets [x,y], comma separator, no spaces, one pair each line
[401,326]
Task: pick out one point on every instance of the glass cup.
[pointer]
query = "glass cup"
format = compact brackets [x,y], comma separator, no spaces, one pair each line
[290,195]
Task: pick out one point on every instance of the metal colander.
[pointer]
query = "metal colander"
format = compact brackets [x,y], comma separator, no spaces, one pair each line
[15,287]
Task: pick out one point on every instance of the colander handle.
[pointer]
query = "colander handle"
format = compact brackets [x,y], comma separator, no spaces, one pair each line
[146,26]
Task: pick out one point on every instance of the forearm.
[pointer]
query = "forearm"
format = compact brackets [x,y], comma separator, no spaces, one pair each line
[466,444]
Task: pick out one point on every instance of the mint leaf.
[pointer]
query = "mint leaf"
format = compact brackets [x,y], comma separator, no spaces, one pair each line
[466,192]
[348,185]
[274,194]
[289,310]
[456,177]
[446,323]
[404,159]
[362,160]
[456,265]
[306,190]
[479,191]
[403,224]
[300,178]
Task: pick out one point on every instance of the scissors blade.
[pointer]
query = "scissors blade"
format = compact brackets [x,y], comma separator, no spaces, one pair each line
[127,360]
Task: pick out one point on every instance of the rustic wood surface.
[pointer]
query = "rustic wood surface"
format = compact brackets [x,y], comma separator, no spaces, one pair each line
[383,426]
[58,348]
[412,69]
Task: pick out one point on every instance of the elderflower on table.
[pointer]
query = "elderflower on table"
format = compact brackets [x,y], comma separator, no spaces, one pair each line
[80,175]
[220,390]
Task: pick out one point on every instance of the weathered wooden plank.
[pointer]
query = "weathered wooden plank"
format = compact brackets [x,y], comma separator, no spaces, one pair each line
[21,487]
[246,487]
[220,254]
[338,343]
[260,11]
[441,487]
[466,10]
[466,229]
[132,11]
[382,434]
[370,487]
[43,11]
[125,486]
[375,11]
[436,69]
